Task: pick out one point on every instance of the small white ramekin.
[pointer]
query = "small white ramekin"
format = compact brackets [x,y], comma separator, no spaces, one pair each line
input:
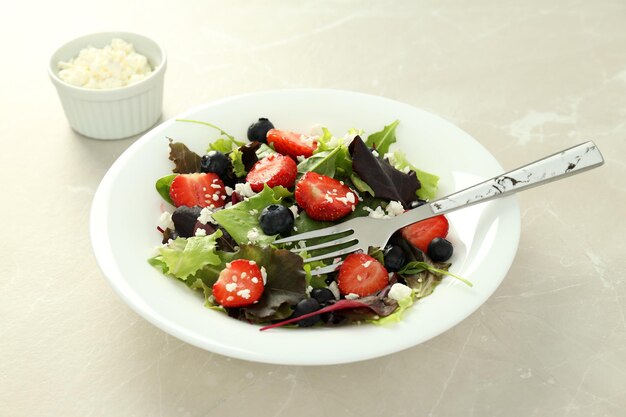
[112,113]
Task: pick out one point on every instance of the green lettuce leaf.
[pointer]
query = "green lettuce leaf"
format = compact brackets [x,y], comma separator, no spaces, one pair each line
[236,159]
[327,141]
[383,139]
[356,132]
[315,281]
[423,284]
[361,185]
[361,209]
[184,257]
[303,223]
[163,185]
[331,157]
[207,290]
[223,145]
[241,218]
[428,182]
[263,151]
[439,270]
[343,162]
[322,162]
[376,253]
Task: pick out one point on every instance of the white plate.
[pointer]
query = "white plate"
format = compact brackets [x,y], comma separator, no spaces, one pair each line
[126,208]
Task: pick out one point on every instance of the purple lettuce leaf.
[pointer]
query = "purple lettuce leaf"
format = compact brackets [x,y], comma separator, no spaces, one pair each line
[386,181]
[248,154]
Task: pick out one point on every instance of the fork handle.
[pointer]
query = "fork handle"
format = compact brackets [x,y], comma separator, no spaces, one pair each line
[551,168]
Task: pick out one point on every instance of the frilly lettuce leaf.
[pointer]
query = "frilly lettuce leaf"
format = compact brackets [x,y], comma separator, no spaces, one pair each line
[184,257]
[286,281]
[327,141]
[242,217]
[236,160]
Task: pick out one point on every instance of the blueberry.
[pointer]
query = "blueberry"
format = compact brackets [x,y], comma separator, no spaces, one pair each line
[394,258]
[276,219]
[308,305]
[440,249]
[184,219]
[215,162]
[258,130]
[322,295]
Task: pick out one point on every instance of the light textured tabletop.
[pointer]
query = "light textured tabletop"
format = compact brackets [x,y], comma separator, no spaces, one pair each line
[524,78]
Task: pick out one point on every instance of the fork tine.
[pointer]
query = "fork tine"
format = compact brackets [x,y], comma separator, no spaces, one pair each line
[325,269]
[336,242]
[327,231]
[334,254]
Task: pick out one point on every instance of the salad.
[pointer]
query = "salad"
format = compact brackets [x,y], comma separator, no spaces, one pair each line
[225,208]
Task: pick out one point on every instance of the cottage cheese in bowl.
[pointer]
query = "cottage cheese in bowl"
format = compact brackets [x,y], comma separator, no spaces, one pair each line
[109,83]
[115,65]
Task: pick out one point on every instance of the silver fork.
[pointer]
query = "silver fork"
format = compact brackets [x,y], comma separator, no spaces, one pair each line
[363,232]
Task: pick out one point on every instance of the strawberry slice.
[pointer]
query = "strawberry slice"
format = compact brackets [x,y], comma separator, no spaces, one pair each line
[204,190]
[420,234]
[324,198]
[290,143]
[274,170]
[239,284]
[362,275]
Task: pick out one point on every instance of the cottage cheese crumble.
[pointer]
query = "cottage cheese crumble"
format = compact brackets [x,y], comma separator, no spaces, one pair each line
[116,65]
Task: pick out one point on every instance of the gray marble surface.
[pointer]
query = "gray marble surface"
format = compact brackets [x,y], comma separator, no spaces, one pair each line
[524,78]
